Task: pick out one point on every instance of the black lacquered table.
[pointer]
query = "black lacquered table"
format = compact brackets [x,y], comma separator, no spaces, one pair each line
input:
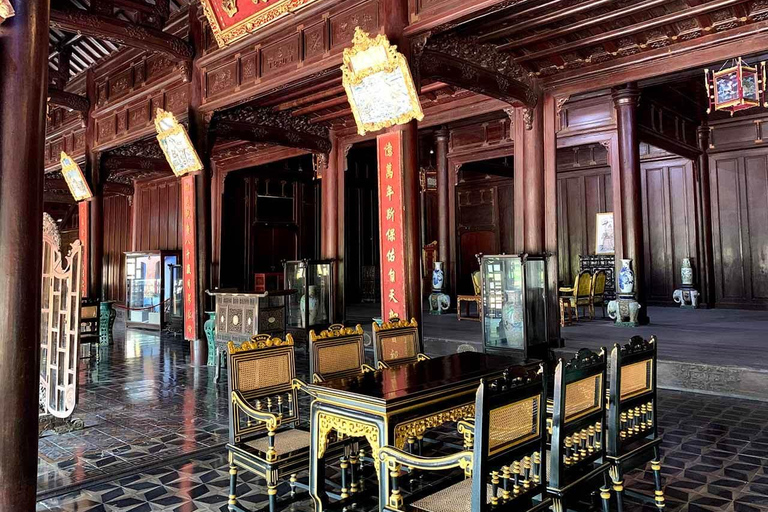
[395,406]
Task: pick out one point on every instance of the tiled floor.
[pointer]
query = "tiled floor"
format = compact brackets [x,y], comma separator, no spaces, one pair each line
[155,430]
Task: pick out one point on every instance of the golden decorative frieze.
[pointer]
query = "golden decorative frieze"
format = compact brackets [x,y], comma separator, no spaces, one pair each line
[394,323]
[258,342]
[348,427]
[335,331]
[416,428]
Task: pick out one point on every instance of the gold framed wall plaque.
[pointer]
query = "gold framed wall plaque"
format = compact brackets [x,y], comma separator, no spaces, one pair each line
[378,83]
[6,10]
[75,178]
[176,145]
[604,238]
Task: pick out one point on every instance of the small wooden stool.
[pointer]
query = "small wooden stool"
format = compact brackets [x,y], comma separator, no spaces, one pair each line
[566,309]
[469,299]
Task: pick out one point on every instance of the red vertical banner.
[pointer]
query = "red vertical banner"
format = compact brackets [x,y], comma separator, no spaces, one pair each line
[391,225]
[84,221]
[189,247]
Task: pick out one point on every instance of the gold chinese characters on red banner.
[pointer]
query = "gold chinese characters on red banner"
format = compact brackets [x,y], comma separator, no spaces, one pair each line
[84,212]
[231,20]
[392,225]
[189,246]
[378,83]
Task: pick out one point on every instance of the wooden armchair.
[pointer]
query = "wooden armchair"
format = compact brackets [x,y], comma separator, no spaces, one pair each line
[577,450]
[597,293]
[506,467]
[396,342]
[337,352]
[263,415]
[632,436]
[579,295]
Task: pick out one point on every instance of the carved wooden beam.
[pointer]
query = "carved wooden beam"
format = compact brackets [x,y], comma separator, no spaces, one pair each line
[263,124]
[466,63]
[117,189]
[69,100]
[122,32]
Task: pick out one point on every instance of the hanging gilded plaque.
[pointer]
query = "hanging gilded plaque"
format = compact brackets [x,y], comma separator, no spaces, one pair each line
[231,20]
[174,140]
[6,10]
[379,85]
[74,177]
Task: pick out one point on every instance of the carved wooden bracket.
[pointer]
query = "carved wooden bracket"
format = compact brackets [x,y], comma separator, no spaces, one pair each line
[263,124]
[121,32]
[127,163]
[466,63]
[69,100]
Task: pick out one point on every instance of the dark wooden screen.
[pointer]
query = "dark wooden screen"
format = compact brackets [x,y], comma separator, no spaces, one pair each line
[157,207]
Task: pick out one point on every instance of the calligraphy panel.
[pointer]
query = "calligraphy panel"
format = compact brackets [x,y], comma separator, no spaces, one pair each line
[189,247]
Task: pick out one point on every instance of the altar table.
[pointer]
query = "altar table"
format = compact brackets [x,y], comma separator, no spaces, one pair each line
[393,405]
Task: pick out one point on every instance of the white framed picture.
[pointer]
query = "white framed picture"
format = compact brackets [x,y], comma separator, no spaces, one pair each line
[604,237]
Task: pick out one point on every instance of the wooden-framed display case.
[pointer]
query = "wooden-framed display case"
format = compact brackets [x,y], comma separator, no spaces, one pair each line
[514,313]
[150,283]
[312,307]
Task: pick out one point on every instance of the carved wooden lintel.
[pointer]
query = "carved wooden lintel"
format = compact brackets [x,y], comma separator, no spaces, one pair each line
[466,63]
[69,100]
[259,124]
[122,32]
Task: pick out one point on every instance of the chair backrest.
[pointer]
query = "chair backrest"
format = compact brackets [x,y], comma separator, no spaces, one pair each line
[476,283]
[578,416]
[336,352]
[584,285]
[632,396]
[396,342]
[598,283]
[510,441]
[262,370]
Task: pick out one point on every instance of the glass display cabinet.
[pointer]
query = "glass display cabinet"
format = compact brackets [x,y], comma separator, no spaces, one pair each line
[150,282]
[174,305]
[514,314]
[311,308]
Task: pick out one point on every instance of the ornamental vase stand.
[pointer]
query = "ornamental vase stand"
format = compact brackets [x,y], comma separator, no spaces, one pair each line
[439,302]
[625,309]
[687,296]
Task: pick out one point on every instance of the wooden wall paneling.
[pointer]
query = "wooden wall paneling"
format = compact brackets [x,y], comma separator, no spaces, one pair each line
[158,218]
[117,240]
[756,229]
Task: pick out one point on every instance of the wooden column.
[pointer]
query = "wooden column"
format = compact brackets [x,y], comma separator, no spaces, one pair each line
[528,133]
[550,127]
[706,265]
[329,204]
[23,88]
[443,194]
[96,205]
[626,102]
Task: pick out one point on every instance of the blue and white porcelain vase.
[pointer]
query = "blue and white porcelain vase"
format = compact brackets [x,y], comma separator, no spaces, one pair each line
[438,277]
[626,278]
[686,272]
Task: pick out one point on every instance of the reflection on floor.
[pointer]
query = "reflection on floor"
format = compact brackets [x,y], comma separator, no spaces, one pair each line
[715,458]
[142,403]
[703,336]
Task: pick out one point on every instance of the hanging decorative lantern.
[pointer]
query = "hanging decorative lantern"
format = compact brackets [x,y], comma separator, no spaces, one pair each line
[737,86]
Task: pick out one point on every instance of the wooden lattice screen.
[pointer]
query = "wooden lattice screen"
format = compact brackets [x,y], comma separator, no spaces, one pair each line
[60,323]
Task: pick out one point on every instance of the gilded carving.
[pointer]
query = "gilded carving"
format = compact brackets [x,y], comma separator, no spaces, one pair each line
[348,427]
[416,428]
[260,342]
[230,7]
[394,323]
[336,331]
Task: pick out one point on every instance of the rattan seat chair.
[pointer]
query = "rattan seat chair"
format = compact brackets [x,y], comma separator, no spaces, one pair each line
[396,342]
[597,293]
[632,435]
[506,466]
[337,352]
[576,456]
[579,295]
[264,414]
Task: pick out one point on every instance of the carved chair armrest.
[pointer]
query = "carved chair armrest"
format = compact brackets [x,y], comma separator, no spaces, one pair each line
[317,378]
[394,457]
[271,420]
[566,289]
[365,368]
[382,365]
[422,357]
[466,427]
[301,385]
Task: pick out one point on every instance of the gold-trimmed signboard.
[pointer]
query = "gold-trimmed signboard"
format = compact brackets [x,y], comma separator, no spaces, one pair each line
[6,10]
[174,141]
[75,179]
[231,20]
[378,83]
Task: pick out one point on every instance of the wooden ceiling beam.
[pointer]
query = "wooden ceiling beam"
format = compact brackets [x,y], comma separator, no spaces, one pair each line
[333,102]
[544,19]
[584,24]
[305,99]
[69,100]
[629,30]
[121,32]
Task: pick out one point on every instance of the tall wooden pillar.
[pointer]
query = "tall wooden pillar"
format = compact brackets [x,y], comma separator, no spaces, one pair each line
[528,133]
[23,83]
[443,195]
[96,253]
[626,101]
[329,204]
[550,128]
[706,265]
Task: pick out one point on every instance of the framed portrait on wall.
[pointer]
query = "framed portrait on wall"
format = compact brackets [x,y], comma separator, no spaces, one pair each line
[604,237]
